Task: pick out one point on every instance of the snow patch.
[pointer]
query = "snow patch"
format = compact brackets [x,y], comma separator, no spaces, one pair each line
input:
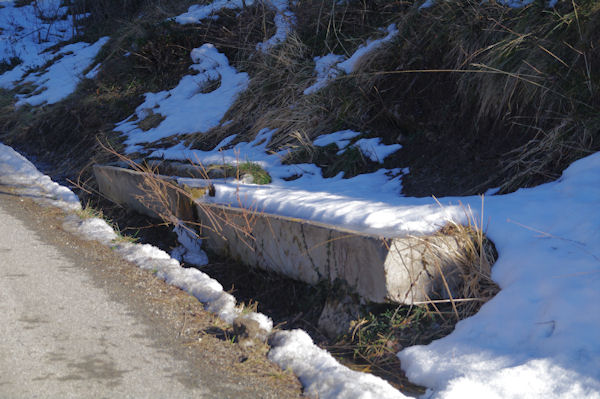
[198,13]
[194,105]
[341,139]
[61,78]
[329,66]
[375,150]
[351,63]
[29,30]
[325,70]
[284,19]
[190,250]
[16,170]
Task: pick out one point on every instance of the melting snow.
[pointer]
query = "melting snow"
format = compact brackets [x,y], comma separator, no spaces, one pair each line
[341,139]
[192,106]
[374,150]
[537,338]
[61,78]
[284,18]
[328,67]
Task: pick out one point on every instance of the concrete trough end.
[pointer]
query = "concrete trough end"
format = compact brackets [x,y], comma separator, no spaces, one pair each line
[404,269]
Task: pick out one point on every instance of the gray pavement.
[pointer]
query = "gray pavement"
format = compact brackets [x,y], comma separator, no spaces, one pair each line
[63,336]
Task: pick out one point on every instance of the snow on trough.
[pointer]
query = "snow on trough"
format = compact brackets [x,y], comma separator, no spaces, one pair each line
[538,336]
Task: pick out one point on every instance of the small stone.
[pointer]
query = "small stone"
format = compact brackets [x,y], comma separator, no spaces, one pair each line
[337,316]
[248,331]
[247,179]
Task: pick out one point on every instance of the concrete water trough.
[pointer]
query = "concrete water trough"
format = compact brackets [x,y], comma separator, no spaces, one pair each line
[405,269]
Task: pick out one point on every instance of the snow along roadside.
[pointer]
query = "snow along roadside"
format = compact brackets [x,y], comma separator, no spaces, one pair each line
[320,374]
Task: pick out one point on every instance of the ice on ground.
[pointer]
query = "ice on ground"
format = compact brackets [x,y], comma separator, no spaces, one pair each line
[328,67]
[60,79]
[197,104]
[375,150]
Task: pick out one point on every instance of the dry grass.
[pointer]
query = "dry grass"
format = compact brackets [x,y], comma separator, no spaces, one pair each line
[509,93]
[375,338]
[475,258]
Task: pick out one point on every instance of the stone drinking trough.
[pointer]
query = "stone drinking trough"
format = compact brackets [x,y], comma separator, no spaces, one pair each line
[405,269]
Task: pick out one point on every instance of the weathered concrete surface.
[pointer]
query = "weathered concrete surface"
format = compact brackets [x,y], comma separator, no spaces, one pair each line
[380,269]
[402,269]
[146,193]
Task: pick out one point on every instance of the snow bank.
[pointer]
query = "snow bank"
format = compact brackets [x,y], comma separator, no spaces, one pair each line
[321,375]
[539,336]
[16,170]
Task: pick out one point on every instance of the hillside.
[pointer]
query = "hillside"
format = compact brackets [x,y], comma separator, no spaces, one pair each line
[387,117]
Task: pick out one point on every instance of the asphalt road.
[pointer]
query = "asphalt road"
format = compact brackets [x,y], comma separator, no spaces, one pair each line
[68,331]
